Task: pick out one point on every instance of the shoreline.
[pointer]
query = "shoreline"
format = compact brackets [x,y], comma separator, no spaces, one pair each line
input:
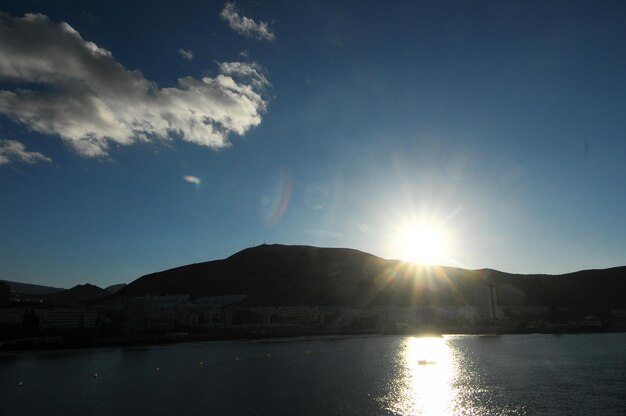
[58,343]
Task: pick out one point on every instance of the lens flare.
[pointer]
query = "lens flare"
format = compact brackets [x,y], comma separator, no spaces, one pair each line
[274,202]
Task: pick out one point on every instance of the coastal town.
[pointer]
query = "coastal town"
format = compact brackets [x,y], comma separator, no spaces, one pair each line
[32,321]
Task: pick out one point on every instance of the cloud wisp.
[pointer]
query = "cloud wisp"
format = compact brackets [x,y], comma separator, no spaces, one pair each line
[186,54]
[66,86]
[244,25]
[12,151]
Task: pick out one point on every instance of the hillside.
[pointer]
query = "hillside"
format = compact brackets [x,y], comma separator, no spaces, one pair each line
[30,289]
[302,275]
[114,288]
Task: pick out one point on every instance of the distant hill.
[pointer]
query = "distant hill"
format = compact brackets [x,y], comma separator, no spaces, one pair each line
[30,289]
[77,294]
[303,275]
[114,288]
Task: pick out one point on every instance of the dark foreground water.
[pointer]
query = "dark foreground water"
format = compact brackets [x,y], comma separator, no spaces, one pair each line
[457,375]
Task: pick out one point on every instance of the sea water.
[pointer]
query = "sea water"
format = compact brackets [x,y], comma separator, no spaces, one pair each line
[387,375]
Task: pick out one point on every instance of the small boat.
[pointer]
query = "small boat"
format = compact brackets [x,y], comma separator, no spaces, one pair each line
[426,362]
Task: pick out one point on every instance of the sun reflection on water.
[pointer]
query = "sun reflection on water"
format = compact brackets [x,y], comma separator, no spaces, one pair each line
[425,385]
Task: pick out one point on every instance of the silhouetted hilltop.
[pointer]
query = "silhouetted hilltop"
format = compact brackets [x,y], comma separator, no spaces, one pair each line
[271,274]
[78,294]
[303,275]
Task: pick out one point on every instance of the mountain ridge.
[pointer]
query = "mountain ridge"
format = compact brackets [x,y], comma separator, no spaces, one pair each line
[31,288]
[77,294]
[307,275]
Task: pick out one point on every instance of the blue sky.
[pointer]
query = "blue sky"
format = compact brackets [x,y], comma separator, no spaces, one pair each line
[339,124]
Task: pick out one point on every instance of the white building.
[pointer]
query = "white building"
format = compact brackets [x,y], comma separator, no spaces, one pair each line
[67,318]
[486,300]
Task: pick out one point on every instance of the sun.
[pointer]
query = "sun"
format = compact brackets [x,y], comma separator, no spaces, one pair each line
[422,242]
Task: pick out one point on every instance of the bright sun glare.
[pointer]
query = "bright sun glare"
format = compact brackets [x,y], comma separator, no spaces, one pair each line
[421,242]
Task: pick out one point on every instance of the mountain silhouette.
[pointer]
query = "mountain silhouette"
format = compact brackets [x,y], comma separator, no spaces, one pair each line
[78,294]
[302,275]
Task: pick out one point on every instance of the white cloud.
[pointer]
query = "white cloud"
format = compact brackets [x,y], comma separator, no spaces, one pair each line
[186,53]
[192,179]
[244,25]
[91,101]
[14,151]
[250,71]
